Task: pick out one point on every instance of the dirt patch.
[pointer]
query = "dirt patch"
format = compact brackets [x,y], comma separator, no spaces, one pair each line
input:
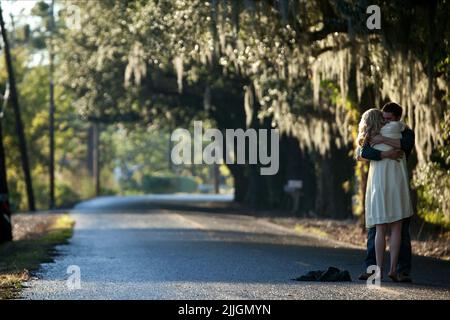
[31,226]
[427,244]
[35,237]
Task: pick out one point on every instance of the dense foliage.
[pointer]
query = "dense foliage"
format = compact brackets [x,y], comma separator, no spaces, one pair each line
[308,68]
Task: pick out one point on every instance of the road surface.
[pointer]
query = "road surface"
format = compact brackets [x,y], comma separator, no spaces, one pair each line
[141,248]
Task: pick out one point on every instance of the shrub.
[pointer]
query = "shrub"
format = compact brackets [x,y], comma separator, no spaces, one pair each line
[433,183]
[167,184]
[65,196]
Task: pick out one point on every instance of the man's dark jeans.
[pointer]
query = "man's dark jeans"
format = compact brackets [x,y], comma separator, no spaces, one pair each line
[404,258]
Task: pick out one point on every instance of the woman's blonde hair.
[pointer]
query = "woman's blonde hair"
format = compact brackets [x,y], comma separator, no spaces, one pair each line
[369,126]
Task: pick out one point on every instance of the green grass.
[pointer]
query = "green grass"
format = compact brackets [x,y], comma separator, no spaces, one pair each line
[18,258]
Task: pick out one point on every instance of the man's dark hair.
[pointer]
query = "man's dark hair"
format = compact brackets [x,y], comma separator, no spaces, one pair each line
[393,108]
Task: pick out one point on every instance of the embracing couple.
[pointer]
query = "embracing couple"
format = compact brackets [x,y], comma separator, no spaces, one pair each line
[386,141]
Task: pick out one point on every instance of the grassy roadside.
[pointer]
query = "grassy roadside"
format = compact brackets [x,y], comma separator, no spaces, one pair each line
[20,257]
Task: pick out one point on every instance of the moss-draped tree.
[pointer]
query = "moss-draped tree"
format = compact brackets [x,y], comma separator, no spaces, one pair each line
[308,68]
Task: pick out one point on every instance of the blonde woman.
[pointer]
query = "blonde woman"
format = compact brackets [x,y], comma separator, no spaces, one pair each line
[387,194]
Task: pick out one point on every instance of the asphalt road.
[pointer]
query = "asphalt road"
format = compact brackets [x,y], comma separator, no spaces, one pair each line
[142,248]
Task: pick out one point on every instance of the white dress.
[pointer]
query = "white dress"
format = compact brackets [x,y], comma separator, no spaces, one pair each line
[387,193]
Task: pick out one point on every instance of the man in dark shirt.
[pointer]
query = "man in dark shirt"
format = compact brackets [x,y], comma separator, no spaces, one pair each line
[403,146]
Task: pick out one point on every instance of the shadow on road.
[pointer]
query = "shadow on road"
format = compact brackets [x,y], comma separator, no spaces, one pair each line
[202,203]
[227,256]
[229,251]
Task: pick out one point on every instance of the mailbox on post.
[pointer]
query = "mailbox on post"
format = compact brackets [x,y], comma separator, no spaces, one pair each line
[293,188]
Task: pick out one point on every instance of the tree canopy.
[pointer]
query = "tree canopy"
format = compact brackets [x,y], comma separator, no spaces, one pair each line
[308,68]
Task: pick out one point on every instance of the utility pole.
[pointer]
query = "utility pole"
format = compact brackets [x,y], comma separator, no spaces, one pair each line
[5,211]
[169,153]
[96,157]
[19,126]
[52,111]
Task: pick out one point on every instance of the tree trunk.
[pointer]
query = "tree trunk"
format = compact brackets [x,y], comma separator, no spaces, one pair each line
[90,151]
[233,119]
[333,197]
[240,182]
[297,165]
[432,7]
[5,211]
[256,196]
[19,126]
[52,115]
